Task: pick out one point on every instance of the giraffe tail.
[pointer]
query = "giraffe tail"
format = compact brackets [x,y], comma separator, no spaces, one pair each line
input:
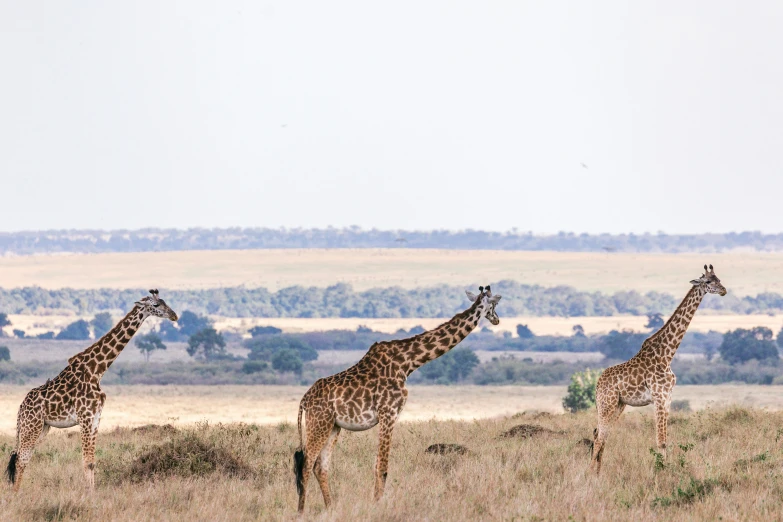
[10,472]
[299,457]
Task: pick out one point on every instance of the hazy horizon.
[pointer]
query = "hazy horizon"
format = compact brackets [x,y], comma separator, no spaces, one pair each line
[436,116]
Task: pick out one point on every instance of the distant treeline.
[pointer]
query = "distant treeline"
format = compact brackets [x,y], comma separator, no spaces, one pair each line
[154,240]
[342,301]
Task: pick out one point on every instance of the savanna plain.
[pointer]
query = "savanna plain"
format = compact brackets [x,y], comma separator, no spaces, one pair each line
[723,463]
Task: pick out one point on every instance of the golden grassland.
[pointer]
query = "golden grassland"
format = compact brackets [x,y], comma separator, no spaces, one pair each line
[744,273]
[722,464]
[702,322]
[137,405]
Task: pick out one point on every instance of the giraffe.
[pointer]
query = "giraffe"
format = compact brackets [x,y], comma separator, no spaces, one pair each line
[373,392]
[647,377]
[75,396]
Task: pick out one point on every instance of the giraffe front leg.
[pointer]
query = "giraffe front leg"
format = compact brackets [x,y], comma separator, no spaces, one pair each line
[89,429]
[386,422]
[662,404]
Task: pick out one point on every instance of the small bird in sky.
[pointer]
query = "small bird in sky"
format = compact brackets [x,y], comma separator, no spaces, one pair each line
[284,125]
[584,166]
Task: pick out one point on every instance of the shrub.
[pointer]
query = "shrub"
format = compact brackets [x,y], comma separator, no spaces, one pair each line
[76,331]
[621,345]
[287,360]
[453,366]
[101,324]
[743,345]
[581,391]
[524,332]
[257,331]
[19,334]
[5,353]
[254,366]
[681,405]
[266,347]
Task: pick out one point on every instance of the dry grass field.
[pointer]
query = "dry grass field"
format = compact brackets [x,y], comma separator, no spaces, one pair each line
[270,405]
[743,273]
[724,464]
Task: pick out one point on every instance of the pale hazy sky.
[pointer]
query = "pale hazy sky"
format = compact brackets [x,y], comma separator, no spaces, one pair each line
[415,115]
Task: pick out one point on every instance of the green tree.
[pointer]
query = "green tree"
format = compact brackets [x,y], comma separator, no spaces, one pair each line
[207,343]
[101,324]
[5,353]
[742,345]
[287,360]
[19,334]
[148,343]
[581,391]
[452,366]
[76,331]
[254,366]
[524,332]
[266,347]
[578,330]
[190,323]
[4,321]
[654,321]
[780,339]
[620,345]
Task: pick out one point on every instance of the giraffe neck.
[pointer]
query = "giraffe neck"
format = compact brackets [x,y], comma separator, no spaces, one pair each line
[669,337]
[434,343]
[96,359]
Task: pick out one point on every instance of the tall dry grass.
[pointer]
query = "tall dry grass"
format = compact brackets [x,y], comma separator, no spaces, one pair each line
[723,463]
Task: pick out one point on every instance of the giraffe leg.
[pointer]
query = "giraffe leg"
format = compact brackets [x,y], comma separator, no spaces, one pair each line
[318,432]
[28,437]
[89,429]
[386,423]
[608,412]
[322,464]
[662,404]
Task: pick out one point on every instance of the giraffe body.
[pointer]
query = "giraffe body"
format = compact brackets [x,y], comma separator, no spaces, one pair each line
[647,378]
[372,393]
[75,397]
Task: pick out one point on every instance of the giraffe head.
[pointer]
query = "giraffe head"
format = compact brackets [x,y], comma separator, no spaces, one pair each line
[485,303]
[710,282]
[154,305]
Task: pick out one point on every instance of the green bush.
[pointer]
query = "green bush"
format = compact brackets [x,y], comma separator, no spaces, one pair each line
[254,366]
[581,391]
[453,366]
[5,353]
[264,348]
[287,360]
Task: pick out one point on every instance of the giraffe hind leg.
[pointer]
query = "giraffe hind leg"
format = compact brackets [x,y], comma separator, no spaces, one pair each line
[28,437]
[322,465]
[318,431]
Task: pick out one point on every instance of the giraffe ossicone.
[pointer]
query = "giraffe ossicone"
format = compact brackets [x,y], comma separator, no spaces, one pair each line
[647,377]
[75,396]
[372,392]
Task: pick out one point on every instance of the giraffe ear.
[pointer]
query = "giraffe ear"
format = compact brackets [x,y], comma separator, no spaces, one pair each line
[696,282]
[471,295]
[494,299]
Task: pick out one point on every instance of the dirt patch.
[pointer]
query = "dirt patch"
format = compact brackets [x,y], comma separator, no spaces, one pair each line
[446,449]
[186,456]
[526,431]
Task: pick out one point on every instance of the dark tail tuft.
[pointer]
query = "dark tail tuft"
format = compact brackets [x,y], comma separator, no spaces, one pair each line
[10,472]
[299,459]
